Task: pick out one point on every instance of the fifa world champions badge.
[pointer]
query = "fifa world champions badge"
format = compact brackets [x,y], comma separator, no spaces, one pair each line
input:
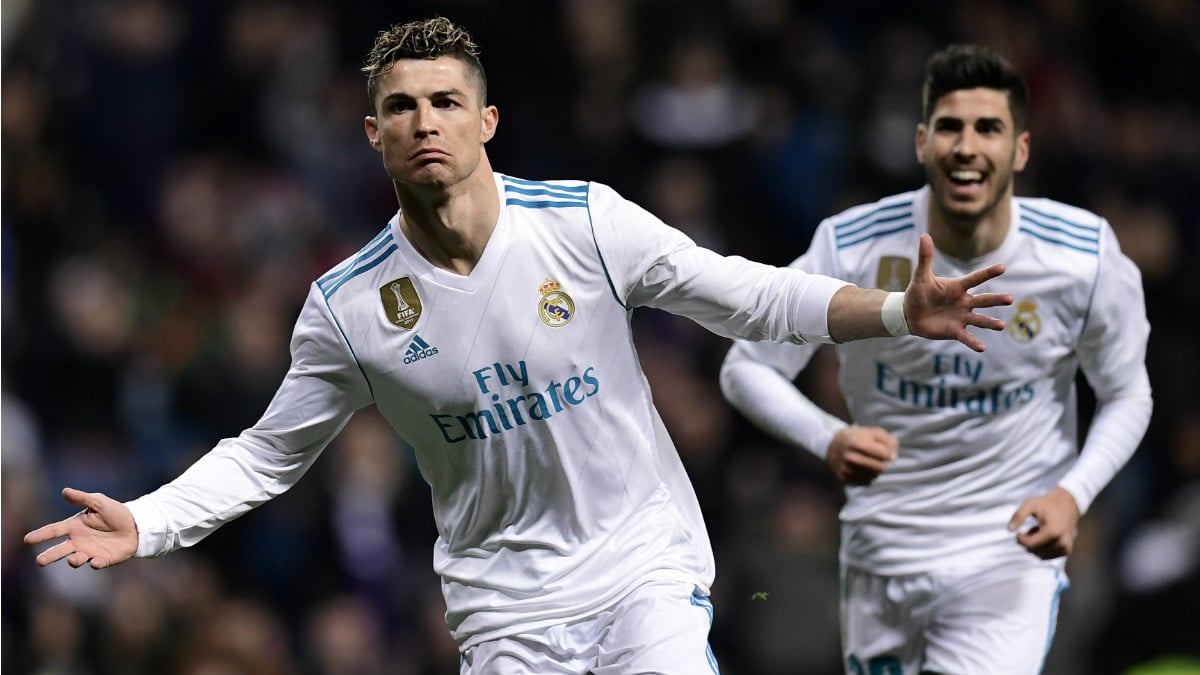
[401,303]
[1025,324]
[556,308]
[894,273]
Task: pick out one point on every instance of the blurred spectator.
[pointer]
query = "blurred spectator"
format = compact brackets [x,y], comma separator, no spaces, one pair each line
[175,174]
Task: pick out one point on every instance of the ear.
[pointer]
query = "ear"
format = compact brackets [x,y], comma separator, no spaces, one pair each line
[371,126]
[922,132]
[1021,151]
[488,122]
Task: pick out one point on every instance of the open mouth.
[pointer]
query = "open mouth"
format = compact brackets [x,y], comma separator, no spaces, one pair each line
[966,182]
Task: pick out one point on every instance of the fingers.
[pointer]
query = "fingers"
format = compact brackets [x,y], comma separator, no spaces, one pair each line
[964,336]
[925,258]
[867,456]
[88,500]
[55,553]
[979,276]
[1024,511]
[61,528]
[47,532]
[982,300]
[858,460]
[859,471]
[1045,543]
[1040,534]
[984,321]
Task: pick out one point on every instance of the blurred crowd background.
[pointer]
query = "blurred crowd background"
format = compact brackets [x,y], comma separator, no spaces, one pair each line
[175,174]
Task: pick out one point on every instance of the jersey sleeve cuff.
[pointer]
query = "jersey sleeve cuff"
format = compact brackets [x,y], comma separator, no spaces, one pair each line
[812,320]
[152,528]
[1077,492]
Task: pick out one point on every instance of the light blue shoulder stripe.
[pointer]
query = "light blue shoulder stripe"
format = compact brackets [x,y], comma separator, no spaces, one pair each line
[847,242]
[353,261]
[1059,236]
[1094,228]
[363,268]
[872,224]
[533,194]
[577,189]
[894,214]
[542,190]
[365,253]
[358,269]
[513,201]
[879,210]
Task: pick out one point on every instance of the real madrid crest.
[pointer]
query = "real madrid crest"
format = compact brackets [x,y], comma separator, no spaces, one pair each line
[401,302]
[1025,324]
[556,308]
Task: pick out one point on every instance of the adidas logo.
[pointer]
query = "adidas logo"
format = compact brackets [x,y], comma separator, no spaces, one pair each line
[418,349]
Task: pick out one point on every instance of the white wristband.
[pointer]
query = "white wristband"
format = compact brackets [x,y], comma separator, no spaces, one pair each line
[893,315]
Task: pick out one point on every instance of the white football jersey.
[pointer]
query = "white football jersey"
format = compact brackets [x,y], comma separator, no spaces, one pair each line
[555,486]
[978,432]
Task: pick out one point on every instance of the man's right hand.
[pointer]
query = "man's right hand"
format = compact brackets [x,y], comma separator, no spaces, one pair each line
[103,534]
[858,455]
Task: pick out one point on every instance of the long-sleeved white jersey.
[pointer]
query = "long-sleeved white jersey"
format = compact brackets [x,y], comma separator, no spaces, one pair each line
[978,432]
[555,486]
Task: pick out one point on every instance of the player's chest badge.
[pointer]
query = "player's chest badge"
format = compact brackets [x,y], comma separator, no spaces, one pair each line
[894,273]
[555,307]
[1025,324]
[401,303]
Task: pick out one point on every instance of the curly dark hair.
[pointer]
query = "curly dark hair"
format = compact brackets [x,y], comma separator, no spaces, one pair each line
[971,66]
[425,39]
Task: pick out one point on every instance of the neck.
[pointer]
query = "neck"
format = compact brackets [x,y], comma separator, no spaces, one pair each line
[967,238]
[451,226]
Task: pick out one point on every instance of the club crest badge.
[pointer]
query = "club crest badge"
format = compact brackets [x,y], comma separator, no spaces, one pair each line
[1025,324]
[894,273]
[401,303]
[556,308]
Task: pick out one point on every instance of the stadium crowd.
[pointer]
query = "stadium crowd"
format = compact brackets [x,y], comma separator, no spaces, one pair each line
[175,175]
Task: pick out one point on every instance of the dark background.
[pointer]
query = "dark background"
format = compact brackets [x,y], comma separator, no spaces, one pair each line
[175,174]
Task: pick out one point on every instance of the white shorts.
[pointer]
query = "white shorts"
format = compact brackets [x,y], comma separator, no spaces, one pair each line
[659,627]
[998,621]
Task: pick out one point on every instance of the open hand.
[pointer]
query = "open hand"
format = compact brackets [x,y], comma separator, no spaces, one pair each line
[939,308]
[103,534]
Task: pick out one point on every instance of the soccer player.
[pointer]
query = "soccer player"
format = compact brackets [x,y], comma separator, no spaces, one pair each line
[489,322]
[964,481]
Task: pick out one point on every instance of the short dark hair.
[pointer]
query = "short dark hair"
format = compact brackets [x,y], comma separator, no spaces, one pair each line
[969,67]
[424,39]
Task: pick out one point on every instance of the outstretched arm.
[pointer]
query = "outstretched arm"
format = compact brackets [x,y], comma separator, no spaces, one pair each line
[322,389]
[934,307]
[102,534]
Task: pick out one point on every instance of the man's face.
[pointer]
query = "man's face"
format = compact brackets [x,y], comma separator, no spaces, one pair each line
[970,150]
[429,125]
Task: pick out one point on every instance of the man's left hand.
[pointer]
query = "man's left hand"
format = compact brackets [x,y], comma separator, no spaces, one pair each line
[1057,517]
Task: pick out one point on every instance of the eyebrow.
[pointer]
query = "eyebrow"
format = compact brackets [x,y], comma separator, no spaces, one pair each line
[999,121]
[442,93]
